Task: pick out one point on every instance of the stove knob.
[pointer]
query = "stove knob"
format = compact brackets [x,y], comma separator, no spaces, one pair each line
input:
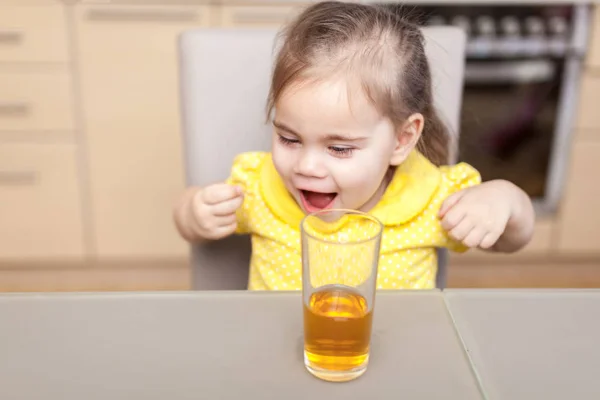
[510,26]
[462,22]
[486,26]
[534,26]
[557,26]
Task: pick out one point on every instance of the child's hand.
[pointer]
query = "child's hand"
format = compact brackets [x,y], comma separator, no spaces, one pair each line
[213,210]
[478,216]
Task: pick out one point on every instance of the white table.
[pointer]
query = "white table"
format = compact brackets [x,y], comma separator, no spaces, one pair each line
[531,344]
[216,345]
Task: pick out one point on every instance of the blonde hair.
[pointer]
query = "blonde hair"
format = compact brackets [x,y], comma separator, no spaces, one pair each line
[371,46]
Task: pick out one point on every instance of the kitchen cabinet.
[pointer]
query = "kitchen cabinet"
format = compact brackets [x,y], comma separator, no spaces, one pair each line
[130,101]
[36,101]
[40,209]
[578,226]
[262,16]
[587,123]
[579,218]
[543,234]
[33,31]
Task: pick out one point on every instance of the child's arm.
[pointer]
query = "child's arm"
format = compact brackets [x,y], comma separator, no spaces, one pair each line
[495,215]
[208,213]
[519,228]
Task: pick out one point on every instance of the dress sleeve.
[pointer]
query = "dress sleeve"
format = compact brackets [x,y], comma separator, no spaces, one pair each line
[454,179]
[245,172]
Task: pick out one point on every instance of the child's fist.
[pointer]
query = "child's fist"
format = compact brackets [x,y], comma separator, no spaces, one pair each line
[477,216]
[213,210]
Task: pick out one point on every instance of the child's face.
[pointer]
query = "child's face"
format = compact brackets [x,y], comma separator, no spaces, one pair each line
[332,151]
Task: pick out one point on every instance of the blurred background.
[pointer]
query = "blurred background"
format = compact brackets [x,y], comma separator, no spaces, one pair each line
[90,138]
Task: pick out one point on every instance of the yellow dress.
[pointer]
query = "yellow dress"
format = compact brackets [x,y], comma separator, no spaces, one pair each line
[408,210]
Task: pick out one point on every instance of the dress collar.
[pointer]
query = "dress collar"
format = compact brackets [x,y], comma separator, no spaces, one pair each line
[409,192]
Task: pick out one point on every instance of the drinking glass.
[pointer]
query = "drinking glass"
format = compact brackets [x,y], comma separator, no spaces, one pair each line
[340,254]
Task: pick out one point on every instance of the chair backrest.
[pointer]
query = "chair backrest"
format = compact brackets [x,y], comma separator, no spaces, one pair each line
[224,81]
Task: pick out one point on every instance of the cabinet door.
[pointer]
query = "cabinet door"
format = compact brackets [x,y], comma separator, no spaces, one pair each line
[588,118]
[40,213]
[579,230]
[36,101]
[33,31]
[129,83]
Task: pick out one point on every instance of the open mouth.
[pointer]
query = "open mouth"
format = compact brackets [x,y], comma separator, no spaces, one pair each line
[316,201]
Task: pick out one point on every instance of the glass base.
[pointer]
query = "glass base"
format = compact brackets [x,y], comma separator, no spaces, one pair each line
[335,375]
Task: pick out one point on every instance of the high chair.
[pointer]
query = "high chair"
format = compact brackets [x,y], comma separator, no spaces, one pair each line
[224,78]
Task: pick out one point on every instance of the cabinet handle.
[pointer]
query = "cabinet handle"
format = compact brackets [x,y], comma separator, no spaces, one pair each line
[253,17]
[179,15]
[17,177]
[13,108]
[10,37]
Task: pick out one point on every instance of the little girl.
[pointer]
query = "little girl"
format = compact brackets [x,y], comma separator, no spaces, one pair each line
[354,127]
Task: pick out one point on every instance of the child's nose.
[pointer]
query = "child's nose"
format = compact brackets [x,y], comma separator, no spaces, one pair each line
[310,165]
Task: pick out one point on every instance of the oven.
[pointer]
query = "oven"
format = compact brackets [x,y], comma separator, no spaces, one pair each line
[521,80]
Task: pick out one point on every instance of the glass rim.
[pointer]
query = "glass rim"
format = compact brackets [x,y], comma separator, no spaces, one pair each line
[346,211]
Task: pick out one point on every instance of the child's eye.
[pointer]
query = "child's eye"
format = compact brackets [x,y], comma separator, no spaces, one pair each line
[341,151]
[287,141]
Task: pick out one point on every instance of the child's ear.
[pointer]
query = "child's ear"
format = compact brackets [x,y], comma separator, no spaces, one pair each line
[407,137]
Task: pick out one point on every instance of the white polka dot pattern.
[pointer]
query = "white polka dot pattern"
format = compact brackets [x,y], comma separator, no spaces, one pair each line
[407,256]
